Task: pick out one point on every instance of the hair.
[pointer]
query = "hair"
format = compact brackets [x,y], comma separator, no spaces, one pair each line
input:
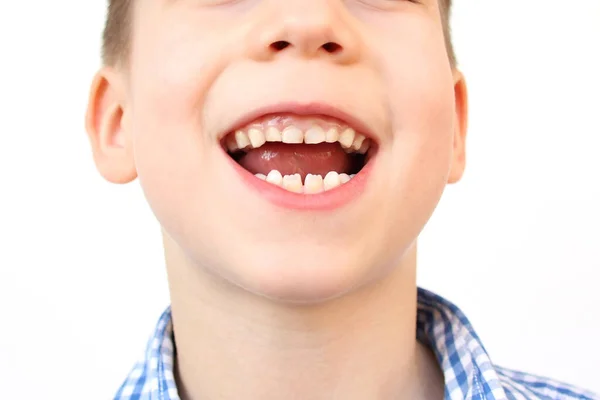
[116,36]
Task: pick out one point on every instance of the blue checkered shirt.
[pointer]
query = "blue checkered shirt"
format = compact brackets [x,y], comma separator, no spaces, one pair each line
[468,371]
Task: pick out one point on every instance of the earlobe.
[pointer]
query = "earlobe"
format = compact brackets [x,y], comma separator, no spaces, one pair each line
[457,167]
[107,128]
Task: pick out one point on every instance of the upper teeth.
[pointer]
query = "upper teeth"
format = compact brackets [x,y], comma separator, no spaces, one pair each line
[255,137]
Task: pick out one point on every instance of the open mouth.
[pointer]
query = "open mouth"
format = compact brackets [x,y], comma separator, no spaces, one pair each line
[301,155]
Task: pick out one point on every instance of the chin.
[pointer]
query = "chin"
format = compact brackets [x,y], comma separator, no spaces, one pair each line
[302,275]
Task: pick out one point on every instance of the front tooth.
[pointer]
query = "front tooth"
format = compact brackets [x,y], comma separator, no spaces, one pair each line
[273,134]
[358,141]
[332,180]
[332,135]
[241,139]
[314,135]
[344,178]
[293,183]
[275,177]
[257,137]
[347,137]
[313,184]
[261,176]
[291,134]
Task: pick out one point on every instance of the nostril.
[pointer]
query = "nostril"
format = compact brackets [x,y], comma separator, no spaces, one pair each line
[332,47]
[329,47]
[279,45]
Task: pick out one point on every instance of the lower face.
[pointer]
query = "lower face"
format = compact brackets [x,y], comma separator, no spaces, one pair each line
[296,172]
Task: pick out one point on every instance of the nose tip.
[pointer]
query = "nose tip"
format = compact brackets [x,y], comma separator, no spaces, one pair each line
[312,31]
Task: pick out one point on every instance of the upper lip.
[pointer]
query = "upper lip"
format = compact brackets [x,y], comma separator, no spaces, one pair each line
[302,109]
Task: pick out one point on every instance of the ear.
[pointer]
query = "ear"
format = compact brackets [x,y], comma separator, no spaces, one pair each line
[457,167]
[106,123]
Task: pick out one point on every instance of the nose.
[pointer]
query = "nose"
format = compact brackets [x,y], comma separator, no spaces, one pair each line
[304,28]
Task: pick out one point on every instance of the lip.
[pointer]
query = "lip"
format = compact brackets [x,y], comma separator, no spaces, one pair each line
[302,109]
[324,201]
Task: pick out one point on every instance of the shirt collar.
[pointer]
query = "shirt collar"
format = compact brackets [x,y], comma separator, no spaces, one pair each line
[468,371]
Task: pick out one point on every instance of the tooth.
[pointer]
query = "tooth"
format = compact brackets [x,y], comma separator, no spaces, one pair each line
[241,139]
[332,180]
[358,141]
[347,137]
[365,146]
[293,183]
[314,135]
[344,178]
[275,177]
[261,176]
[231,143]
[352,176]
[272,134]
[313,183]
[291,134]
[332,135]
[257,137]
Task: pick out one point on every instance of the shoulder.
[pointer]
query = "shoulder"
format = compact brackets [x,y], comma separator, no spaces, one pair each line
[520,385]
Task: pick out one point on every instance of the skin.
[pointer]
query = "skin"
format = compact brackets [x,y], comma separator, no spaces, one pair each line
[261,307]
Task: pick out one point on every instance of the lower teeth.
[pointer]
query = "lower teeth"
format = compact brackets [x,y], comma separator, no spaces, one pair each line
[312,183]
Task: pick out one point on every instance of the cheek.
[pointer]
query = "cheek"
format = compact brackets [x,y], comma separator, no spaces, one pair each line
[421,102]
[168,164]
[171,72]
[421,99]
[173,65]
[166,89]
[168,141]
[415,67]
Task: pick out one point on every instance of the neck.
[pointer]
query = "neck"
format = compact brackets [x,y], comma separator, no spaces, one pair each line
[232,344]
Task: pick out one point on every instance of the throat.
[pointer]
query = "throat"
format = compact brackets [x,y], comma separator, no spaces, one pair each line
[302,159]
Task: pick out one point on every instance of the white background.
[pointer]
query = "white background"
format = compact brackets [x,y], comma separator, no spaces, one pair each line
[515,244]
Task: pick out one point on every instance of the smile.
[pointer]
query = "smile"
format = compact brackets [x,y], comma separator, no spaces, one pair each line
[302,161]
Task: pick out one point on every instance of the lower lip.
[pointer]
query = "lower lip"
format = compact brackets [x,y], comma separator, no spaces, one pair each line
[324,201]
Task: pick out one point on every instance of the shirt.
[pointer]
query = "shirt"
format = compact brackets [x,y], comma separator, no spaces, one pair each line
[469,373]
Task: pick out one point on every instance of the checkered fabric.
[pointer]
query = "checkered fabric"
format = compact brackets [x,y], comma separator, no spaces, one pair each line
[469,373]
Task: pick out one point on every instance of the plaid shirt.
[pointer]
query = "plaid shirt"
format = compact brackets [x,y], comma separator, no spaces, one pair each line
[468,371]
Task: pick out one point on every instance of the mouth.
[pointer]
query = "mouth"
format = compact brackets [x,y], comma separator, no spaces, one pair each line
[302,154]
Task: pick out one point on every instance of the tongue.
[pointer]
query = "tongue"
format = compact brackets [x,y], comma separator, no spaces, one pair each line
[303,159]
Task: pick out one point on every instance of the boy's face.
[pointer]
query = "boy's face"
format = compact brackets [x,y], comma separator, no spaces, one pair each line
[199,68]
